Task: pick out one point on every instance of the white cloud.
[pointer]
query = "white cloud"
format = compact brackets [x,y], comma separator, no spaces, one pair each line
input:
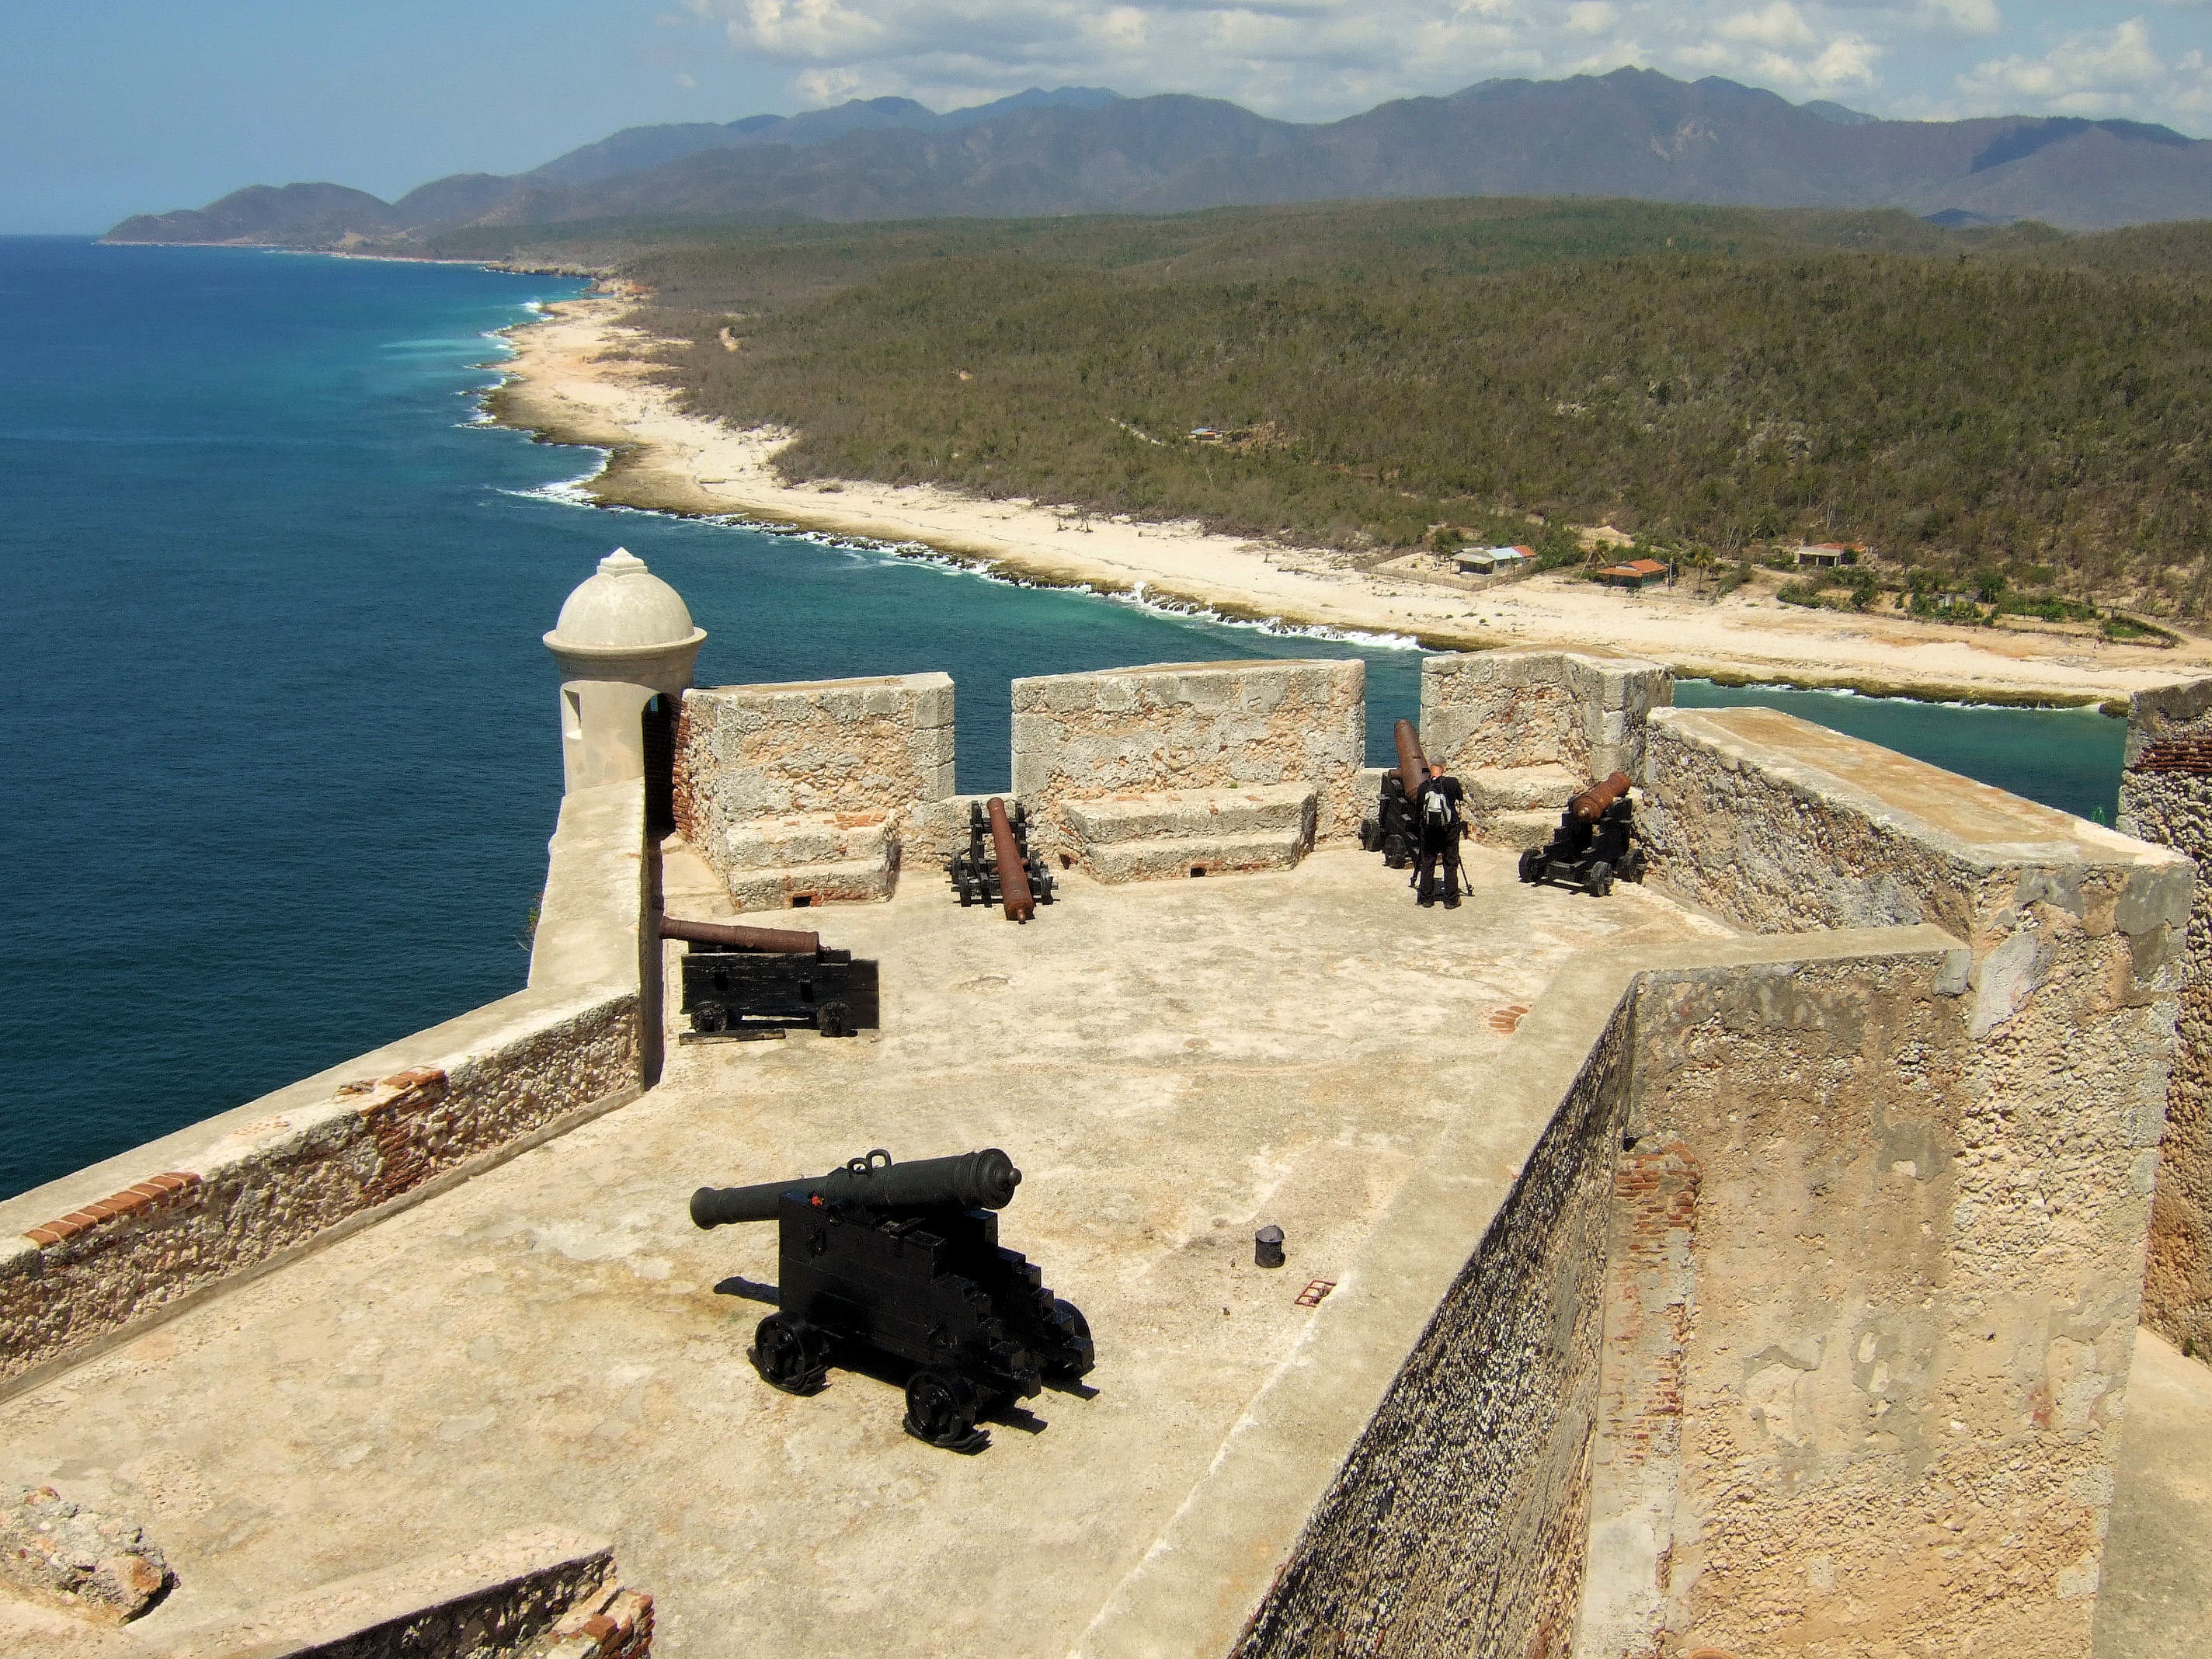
[1315,59]
[2121,73]
[1780,24]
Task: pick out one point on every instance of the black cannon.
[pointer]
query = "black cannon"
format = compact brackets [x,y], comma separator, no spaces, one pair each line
[997,868]
[772,977]
[1394,829]
[1595,843]
[902,1263]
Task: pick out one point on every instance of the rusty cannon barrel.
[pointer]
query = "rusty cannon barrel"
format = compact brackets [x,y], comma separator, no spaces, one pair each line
[1592,802]
[1013,879]
[969,1181]
[732,936]
[1413,764]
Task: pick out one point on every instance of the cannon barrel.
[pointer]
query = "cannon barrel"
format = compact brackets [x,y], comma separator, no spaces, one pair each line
[970,1181]
[731,934]
[1413,764]
[1593,801]
[1013,880]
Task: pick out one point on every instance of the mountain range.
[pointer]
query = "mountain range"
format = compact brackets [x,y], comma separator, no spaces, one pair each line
[1631,133]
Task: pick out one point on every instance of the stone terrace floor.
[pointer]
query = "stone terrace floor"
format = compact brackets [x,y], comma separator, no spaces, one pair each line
[1171,1064]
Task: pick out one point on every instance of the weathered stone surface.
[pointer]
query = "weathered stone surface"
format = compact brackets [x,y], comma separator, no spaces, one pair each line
[867,745]
[1510,709]
[854,881]
[1522,788]
[2166,797]
[1178,858]
[1922,1194]
[1191,726]
[755,765]
[58,1551]
[1175,834]
[1260,810]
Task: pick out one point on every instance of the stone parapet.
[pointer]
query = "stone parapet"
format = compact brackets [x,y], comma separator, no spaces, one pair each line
[2166,798]
[777,785]
[1183,727]
[1503,711]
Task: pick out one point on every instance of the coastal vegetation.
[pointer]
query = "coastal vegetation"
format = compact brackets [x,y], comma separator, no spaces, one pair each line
[2012,403]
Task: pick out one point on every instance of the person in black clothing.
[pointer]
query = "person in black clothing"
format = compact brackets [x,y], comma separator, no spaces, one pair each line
[1438,807]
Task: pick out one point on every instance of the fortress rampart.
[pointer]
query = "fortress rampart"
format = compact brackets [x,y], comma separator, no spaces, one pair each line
[2166,797]
[1745,1241]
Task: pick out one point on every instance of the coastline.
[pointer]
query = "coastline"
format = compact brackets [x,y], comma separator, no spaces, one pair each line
[579,375]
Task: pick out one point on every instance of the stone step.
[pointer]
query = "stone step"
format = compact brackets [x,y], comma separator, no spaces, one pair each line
[1513,830]
[1258,810]
[853,881]
[1522,788]
[804,838]
[1170,858]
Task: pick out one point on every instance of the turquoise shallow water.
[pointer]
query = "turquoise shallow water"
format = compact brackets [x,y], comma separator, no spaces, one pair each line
[2064,757]
[284,754]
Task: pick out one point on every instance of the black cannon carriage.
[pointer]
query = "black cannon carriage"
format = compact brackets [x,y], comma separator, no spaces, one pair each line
[900,1264]
[1596,844]
[1394,829]
[998,867]
[772,978]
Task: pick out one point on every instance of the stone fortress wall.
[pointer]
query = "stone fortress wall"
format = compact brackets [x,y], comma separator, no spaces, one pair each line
[2166,797]
[1775,1270]
[824,791]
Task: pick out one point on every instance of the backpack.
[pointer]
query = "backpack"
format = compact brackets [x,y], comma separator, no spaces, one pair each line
[1438,809]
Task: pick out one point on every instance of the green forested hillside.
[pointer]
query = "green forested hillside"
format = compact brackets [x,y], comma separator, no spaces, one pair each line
[2014,400]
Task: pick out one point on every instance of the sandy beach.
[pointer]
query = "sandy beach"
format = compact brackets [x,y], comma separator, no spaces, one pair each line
[581,376]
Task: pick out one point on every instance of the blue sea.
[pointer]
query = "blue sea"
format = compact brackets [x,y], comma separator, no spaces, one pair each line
[283,753]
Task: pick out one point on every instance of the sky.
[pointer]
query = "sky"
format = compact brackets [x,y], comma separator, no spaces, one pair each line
[110,107]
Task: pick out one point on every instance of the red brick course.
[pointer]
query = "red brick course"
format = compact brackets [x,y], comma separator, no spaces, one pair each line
[2176,755]
[159,1190]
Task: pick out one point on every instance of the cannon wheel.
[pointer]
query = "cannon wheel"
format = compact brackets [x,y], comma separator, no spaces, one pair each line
[940,1408]
[707,1017]
[1532,863]
[1075,1331]
[1394,852]
[835,1020]
[1599,882]
[1370,836]
[1631,867]
[789,1355]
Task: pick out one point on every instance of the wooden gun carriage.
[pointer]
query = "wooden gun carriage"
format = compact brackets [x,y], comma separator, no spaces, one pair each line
[772,977]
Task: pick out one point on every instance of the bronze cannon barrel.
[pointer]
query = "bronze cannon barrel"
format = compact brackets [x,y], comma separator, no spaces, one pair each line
[734,936]
[1413,764]
[1593,801]
[1013,879]
[967,1181]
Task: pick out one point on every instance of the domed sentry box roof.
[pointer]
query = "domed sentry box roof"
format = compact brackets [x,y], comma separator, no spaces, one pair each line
[625,624]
